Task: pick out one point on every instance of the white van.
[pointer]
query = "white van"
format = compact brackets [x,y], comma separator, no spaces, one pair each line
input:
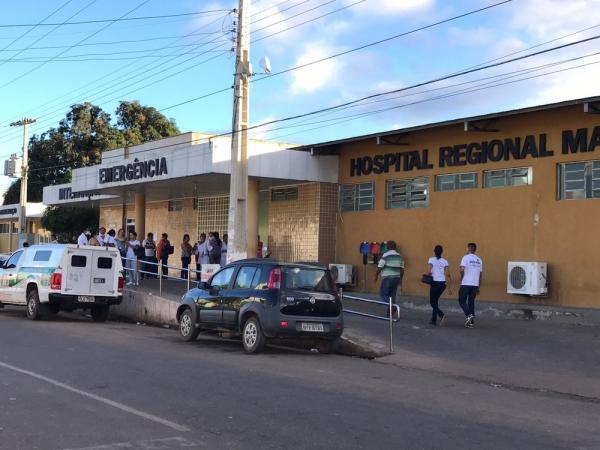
[48,278]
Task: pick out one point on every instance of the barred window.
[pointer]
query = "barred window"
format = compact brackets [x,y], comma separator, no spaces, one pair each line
[407,193]
[507,177]
[456,182]
[283,194]
[175,205]
[357,197]
[580,180]
[4,228]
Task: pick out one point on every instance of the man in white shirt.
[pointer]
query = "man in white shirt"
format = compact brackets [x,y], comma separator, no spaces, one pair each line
[102,236]
[84,237]
[471,268]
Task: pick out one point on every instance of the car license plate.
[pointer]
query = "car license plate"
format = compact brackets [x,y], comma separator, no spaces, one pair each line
[85,299]
[313,327]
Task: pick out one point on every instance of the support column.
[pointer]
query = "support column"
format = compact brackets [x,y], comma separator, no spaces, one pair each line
[140,215]
[252,205]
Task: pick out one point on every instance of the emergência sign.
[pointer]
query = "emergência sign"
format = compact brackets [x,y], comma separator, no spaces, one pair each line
[507,149]
[137,170]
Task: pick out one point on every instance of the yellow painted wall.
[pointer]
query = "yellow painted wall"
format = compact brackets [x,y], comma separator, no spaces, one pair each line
[499,220]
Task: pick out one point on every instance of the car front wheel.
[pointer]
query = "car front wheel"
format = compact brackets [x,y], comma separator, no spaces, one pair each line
[187,326]
[252,336]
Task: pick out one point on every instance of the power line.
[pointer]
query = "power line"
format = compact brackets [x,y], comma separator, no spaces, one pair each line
[79,11]
[119,19]
[81,41]
[112,82]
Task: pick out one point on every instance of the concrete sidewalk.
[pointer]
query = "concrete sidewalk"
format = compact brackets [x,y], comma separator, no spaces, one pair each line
[550,355]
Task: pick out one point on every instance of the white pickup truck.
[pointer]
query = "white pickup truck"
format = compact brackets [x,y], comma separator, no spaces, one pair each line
[48,278]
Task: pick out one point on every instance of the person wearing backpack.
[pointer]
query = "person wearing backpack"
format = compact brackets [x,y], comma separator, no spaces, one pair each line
[163,250]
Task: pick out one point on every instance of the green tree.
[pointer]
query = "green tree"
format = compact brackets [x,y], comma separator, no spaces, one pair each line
[141,124]
[66,222]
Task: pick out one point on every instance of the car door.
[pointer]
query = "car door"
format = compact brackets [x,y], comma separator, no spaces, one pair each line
[242,291]
[10,292]
[209,306]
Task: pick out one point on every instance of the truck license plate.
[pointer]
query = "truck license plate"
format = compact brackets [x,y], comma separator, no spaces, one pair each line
[314,327]
[85,299]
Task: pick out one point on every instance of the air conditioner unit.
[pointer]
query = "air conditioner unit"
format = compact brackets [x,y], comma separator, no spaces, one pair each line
[527,278]
[341,273]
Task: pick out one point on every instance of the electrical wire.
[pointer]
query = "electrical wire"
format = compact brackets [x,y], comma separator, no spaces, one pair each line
[111,21]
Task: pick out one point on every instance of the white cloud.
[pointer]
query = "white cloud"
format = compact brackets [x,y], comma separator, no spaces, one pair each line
[316,76]
[391,7]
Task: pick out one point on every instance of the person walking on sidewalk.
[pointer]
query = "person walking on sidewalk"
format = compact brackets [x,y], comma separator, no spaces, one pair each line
[438,269]
[391,270]
[471,268]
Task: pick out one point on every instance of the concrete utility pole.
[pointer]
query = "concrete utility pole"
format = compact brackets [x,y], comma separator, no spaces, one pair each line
[237,247]
[25,122]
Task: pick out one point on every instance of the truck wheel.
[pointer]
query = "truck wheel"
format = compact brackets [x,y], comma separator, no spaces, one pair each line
[33,305]
[187,326]
[100,313]
[252,336]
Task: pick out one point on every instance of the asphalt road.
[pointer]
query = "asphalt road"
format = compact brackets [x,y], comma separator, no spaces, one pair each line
[68,383]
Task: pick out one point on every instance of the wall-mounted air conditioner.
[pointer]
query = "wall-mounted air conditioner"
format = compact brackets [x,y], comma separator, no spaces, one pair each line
[341,273]
[527,278]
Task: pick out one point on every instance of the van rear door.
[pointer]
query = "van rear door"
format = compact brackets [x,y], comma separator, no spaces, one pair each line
[104,273]
[79,271]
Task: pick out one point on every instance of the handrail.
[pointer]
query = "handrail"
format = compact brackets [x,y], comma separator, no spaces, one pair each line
[160,266]
[391,318]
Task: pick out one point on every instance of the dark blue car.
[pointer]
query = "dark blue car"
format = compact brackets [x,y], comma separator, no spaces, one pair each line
[265,299]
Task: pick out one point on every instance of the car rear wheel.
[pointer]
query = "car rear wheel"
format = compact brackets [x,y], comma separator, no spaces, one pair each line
[33,305]
[253,337]
[100,313]
[187,326]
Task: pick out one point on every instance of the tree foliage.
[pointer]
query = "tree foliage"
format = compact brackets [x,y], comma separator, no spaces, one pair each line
[67,222]
[79,140]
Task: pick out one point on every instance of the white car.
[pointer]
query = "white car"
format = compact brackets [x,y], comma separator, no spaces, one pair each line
[48,278]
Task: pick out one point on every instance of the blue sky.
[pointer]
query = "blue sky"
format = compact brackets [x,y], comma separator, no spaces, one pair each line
[187,57]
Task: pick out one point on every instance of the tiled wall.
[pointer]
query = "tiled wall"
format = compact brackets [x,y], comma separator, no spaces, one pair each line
[304,229]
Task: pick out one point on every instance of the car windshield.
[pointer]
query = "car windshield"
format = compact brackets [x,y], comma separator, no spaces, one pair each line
[306,279]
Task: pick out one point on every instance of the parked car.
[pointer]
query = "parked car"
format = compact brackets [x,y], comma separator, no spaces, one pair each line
[48,278]
[264,299]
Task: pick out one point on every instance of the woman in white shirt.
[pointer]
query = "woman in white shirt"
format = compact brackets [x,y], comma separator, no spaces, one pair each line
[438,269]
[131,262]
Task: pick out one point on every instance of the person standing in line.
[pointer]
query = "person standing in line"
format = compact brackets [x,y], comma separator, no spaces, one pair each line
[84,237]
[223,261]
[132,249]
[163,250]
[391,269]
[121,244]
[101,238]
[201,252]
[110,238]
[471,269]
[149,270]
[438,269]
[186,256]
[214,248]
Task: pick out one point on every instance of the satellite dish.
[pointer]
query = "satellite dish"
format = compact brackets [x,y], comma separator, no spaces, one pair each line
[265,64]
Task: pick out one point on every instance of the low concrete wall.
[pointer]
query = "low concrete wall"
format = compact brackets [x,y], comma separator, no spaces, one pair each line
[146,307]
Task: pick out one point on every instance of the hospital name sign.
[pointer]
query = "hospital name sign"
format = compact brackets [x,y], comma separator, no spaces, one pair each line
[137,170]
[579,141]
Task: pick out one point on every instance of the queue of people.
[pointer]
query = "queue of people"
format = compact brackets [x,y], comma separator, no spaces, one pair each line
[390,269]
[211,249]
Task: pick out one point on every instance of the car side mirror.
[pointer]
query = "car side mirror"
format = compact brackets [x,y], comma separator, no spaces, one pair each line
[213,290]
[204,285]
